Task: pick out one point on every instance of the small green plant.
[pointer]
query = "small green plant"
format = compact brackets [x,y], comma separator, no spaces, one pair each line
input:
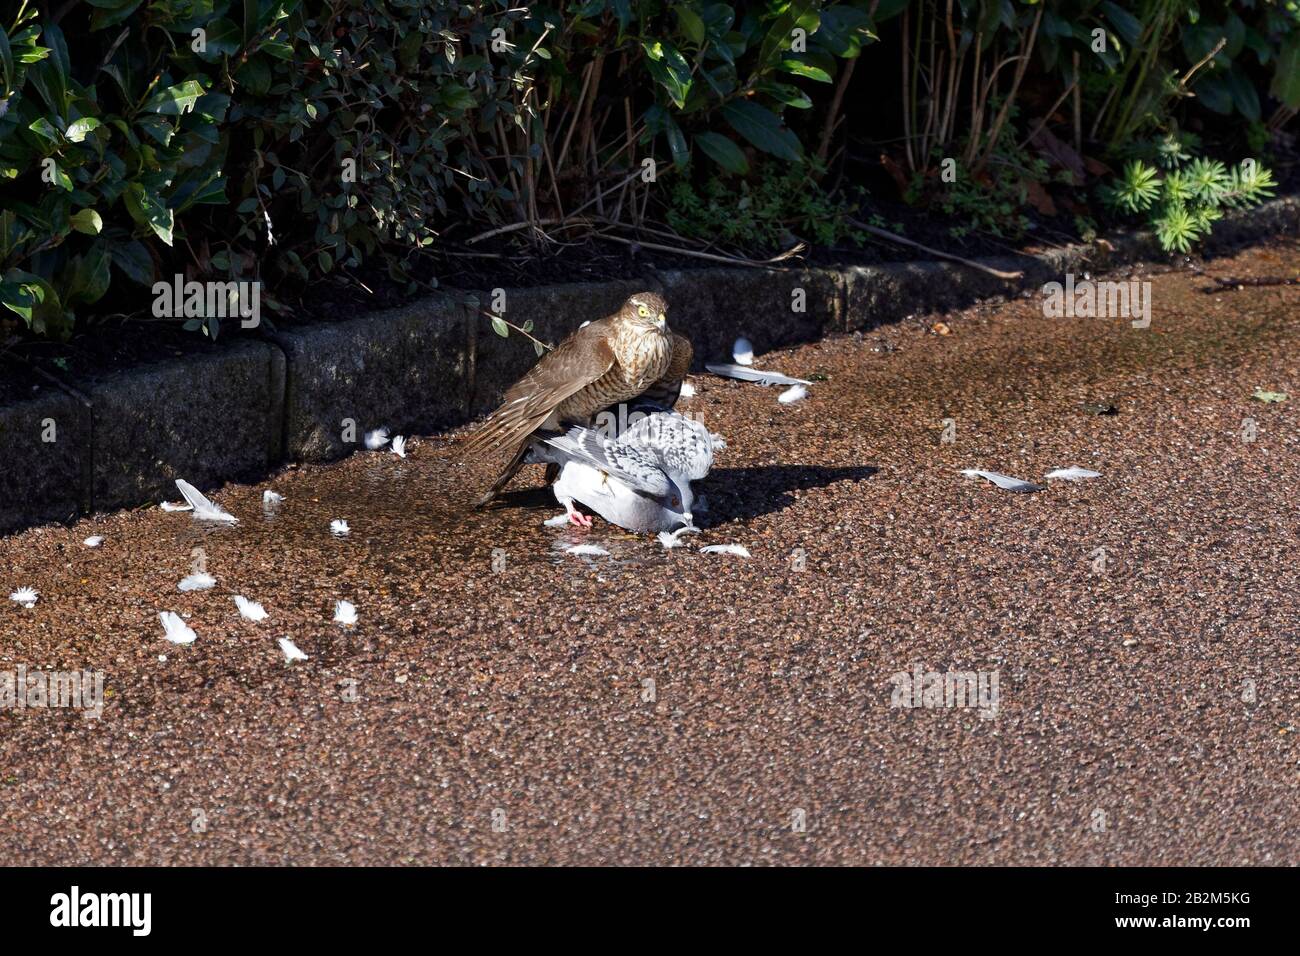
[765,214]
[1182,204]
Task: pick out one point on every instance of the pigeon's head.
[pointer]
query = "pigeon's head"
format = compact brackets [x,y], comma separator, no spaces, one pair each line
[647,311]
[680,500]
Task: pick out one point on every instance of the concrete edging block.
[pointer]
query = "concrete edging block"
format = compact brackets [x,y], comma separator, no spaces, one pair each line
[205,418]
[405,369]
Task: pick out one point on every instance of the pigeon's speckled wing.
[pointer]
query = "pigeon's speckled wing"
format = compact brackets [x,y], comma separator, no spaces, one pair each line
[628,463]
[578,361]
[681,445]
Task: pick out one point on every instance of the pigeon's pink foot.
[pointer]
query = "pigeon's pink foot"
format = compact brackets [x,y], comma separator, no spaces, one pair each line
[580,519]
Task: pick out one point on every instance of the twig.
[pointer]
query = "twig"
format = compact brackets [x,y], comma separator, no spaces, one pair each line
[886,234]
[1232,285]
[729,260]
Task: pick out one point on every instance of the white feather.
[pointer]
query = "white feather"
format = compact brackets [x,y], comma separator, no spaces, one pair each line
[345,612]
[291,651]
[271,499]
[673,539]
[27,597]
[204,509]
[399,446]
[168,506]
[739,550]
[792,394]
[585,549]
[559,520]
[688,390]
[377,439]
[250,609]
[1005,482]
[755,375]
[1072,473]
[94,541]
[340,528]
[197,582]
[742,353]
[176,630]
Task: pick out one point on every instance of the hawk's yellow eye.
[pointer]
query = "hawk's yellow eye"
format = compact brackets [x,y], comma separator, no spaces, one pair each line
[642,311]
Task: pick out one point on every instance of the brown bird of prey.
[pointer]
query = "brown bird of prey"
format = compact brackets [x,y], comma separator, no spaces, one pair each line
[604,363]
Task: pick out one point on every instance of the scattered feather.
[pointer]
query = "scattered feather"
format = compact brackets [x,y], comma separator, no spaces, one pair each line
[204,509]
[377,439]
[168,506]
[585,549]
[94,541]
[27,597]
[399,446]
[176,630]
[742,353]
[739,550]
[271,499]
[794,393]
[250,609]
[1005,482]
[755,375]
[340,528]
[1072,473]
[1262,395]
[291,651]
[197,582]
[345,613]
[719,442]
[558,521]
[688,390]
[673,539]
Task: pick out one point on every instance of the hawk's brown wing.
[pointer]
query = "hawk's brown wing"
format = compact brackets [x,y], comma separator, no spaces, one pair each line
[578,361]
[668,388]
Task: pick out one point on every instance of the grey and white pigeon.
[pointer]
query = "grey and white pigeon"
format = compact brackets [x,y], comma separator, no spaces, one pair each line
[640,480]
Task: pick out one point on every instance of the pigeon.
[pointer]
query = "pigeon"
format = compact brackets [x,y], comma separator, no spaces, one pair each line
[345,613]
[176,630]
[609,361]
[745,374]
[204,509]
[25,596]
[291,651]
[250,609]
[1005,482]
[640,480]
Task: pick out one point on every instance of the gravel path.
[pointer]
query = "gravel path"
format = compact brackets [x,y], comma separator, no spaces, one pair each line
[501,701]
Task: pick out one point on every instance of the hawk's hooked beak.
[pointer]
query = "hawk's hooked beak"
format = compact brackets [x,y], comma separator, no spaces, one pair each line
[662,323]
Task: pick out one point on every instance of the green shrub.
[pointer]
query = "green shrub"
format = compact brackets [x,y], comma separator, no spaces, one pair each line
[1182,204]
